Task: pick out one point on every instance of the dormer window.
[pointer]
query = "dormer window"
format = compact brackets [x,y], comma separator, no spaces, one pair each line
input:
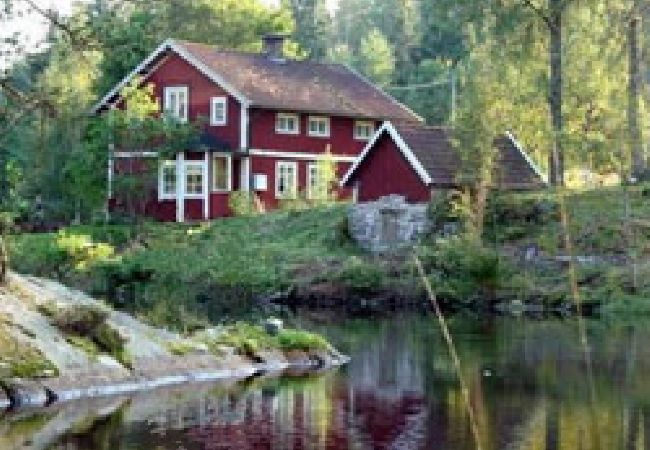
[287,123]
[176,102]
[363,130]
[218,111]
[318,126]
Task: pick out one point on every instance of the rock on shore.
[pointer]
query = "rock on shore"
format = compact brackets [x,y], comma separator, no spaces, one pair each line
[152,361]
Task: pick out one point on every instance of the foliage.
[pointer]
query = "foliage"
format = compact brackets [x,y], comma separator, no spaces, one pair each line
[87,328]
[249,340]
[241,203]
[464,271]
[20,359]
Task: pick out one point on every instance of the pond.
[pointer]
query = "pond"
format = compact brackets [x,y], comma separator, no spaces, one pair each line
[527,379]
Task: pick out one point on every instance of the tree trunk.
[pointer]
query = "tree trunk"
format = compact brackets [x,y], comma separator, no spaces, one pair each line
[4,260]
[634,87]
[556,157]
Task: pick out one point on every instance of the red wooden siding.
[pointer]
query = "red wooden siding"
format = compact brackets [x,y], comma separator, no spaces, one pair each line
[266,166]
[174,71]
[385,171]
[264,137]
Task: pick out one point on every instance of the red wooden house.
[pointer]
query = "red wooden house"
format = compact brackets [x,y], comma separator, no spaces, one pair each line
[270,119]
[416,161]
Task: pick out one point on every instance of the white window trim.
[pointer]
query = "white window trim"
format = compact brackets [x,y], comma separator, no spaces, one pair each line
[296,118]
[294,165]
[161,180]
[358,123]
[214,101]
[310,194]
[318,119]
[168,90]
[228,157]
[201,165]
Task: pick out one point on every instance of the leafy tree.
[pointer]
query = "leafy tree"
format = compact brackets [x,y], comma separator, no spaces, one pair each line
[376,58]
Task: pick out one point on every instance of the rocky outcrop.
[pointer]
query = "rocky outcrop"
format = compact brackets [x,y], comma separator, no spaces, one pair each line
[387,224]
[152,362]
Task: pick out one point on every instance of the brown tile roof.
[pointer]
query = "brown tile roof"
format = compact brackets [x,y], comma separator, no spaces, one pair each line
[433,148]
[299,85]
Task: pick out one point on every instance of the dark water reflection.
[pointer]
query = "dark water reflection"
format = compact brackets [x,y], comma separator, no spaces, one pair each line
[527,382]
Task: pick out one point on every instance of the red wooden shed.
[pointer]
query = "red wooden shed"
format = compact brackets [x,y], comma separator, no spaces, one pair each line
[415,160]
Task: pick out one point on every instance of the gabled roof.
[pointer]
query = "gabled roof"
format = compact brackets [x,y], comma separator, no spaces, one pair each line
[302,86]
[431,153]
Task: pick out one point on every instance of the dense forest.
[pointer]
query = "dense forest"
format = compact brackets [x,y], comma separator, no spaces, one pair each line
[569,78]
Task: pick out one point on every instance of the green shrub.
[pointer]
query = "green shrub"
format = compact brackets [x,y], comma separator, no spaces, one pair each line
[361,275]
[242,203]
[301,340]
[85,325]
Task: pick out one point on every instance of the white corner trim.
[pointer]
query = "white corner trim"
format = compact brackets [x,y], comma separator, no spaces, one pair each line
[170,44]
[299,155]
[384,93]
[527,157]
[244,119]
[388,127]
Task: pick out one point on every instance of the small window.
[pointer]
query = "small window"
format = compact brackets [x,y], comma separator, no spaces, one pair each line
[176,102]
[319,126]
[194,182]
[287,123]
[363,130]
[167,180]
[221,173]
[286,180]
[218,111]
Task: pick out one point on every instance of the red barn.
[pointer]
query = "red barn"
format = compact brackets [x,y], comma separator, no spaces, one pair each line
[270,119]
[414,161]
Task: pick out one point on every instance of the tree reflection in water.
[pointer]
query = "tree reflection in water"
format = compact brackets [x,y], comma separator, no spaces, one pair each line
[400,392]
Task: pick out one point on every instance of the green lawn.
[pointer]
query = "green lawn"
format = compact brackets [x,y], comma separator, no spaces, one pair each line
[182,275]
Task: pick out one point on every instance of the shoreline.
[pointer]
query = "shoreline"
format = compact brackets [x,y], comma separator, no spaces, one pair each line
[18,393]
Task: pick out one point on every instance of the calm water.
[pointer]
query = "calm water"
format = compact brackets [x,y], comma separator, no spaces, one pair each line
[527,380]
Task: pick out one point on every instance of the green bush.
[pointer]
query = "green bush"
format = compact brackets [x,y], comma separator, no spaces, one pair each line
[361,275]
[242,203]
[85,326]
[464,271]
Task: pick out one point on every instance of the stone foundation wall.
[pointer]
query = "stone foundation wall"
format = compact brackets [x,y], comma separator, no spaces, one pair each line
[387,224]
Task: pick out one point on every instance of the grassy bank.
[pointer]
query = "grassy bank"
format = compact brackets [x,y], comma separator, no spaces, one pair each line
[183,275]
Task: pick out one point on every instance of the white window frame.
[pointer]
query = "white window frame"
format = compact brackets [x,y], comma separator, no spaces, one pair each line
[168,92]
[310,193]
[162,195]
[360,123]
[318,119]
[228,171]
[201,166]
[278,166]
[280,116]
[216,102]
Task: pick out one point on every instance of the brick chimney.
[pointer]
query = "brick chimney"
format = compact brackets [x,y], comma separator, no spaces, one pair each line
[273,46]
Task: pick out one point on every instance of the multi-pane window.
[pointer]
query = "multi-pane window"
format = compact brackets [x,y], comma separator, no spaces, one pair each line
[194,182]
[363,130]
[218,111]
[167,184]
[176,102]
[314,184]
[319,126]
[221,173]
[287,123]
[286,179]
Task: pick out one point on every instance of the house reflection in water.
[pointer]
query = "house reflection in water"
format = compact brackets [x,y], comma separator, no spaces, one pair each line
[527,381]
